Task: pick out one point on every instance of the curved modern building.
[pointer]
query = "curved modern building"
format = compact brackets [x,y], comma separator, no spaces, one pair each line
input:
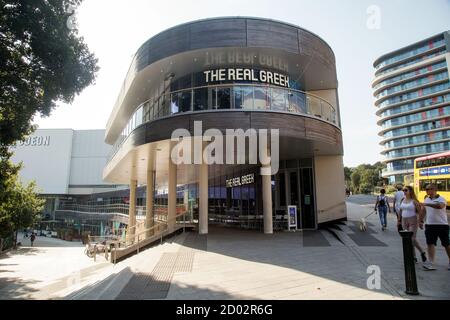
[225,75]
[412,91]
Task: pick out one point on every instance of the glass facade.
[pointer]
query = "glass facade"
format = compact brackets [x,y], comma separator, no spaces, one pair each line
[411,62]
[422,91]
[423,127]
[425,115]
[413,84]
[415,94]
[411,74]
[416,105]
[227,97]
[423,138]
[419,150]
[413,52]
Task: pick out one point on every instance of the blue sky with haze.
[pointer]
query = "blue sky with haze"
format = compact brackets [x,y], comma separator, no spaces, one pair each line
[115,29]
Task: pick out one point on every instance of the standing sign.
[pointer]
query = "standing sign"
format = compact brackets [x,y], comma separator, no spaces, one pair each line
[292,216]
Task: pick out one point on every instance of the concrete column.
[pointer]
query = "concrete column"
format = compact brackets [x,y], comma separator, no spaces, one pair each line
[132,209]
[267,203]
[203,198]
[186,199]
[172,196]
[149,217]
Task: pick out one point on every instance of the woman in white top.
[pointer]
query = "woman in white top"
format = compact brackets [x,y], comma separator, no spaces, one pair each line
[408,217]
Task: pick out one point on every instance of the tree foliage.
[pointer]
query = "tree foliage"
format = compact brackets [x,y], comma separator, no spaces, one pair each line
[42,61]
[22,208]
[365,177]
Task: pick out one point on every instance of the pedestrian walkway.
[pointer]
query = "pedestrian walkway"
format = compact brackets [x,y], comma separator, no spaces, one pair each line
[242,264]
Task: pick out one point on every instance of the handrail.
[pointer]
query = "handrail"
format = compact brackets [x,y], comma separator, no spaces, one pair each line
[135,238]
[321,103]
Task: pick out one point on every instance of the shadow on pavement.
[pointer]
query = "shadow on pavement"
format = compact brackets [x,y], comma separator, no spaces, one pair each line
[15,289]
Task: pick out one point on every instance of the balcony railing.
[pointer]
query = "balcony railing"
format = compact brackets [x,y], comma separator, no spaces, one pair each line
[246,97]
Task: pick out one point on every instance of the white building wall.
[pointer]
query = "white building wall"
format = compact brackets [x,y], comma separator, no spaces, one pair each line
[89,157]
[64,161]
[46,157]
[330,188]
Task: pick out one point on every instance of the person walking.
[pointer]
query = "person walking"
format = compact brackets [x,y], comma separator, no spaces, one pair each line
[382,205]
[398,198]
[436,225]
[408,217]
[32,238]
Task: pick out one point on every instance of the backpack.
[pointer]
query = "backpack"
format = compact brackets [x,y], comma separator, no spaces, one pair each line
[381,201]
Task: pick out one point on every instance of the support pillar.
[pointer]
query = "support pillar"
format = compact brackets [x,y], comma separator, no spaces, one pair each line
[132,210]
[149,216]
[172,194]
[267,203]
[203,198]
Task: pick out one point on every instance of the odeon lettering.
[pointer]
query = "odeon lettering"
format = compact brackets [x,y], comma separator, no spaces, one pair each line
[36,141]
[242,74]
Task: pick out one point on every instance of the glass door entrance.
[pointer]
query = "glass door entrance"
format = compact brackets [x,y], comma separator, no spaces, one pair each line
[307,196]
[295,188]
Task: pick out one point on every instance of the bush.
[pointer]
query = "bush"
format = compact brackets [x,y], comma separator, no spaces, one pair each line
[365,188]
[391,189]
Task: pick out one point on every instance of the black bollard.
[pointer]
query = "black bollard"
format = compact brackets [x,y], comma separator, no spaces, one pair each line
[408,261]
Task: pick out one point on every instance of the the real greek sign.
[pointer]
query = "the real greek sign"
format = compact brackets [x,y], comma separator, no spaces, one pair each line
[240,181]
[242,74]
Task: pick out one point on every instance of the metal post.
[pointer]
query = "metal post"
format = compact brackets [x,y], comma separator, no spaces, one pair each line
[138,244]
[408,260]
[106,251]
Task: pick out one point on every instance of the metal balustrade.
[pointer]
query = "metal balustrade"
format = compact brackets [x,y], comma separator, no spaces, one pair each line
[244,97]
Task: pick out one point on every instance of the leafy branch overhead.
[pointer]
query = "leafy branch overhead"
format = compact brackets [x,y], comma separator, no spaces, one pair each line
[42,61]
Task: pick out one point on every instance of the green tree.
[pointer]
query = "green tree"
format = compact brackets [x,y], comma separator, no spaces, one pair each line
[348,175]
[22,208]
[42,60]
[356,180]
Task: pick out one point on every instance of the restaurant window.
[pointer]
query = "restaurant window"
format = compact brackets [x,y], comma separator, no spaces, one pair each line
[223,98]
[279,100]
[201,99]
[261,100]
[185,101]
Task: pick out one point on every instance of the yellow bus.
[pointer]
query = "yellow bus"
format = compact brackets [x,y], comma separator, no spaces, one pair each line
[433,169]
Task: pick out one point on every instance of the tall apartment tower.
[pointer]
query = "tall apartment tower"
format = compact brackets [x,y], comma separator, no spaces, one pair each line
[412,92]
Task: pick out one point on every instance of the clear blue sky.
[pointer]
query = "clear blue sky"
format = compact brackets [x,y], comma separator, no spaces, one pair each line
[115,29]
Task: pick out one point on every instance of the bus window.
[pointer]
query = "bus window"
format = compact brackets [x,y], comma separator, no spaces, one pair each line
[419,164]
[448,184]
[440,161]
[448,160]
[423,184]
[441,185]
[426,163]
[432,162]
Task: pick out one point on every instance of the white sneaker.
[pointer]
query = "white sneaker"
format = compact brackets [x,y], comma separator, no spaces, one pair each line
[429,266]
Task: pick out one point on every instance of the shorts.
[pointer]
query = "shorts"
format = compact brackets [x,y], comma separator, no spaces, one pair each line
[435,231]
[410,224]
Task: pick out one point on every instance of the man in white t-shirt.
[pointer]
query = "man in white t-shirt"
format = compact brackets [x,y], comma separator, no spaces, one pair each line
[436,225]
